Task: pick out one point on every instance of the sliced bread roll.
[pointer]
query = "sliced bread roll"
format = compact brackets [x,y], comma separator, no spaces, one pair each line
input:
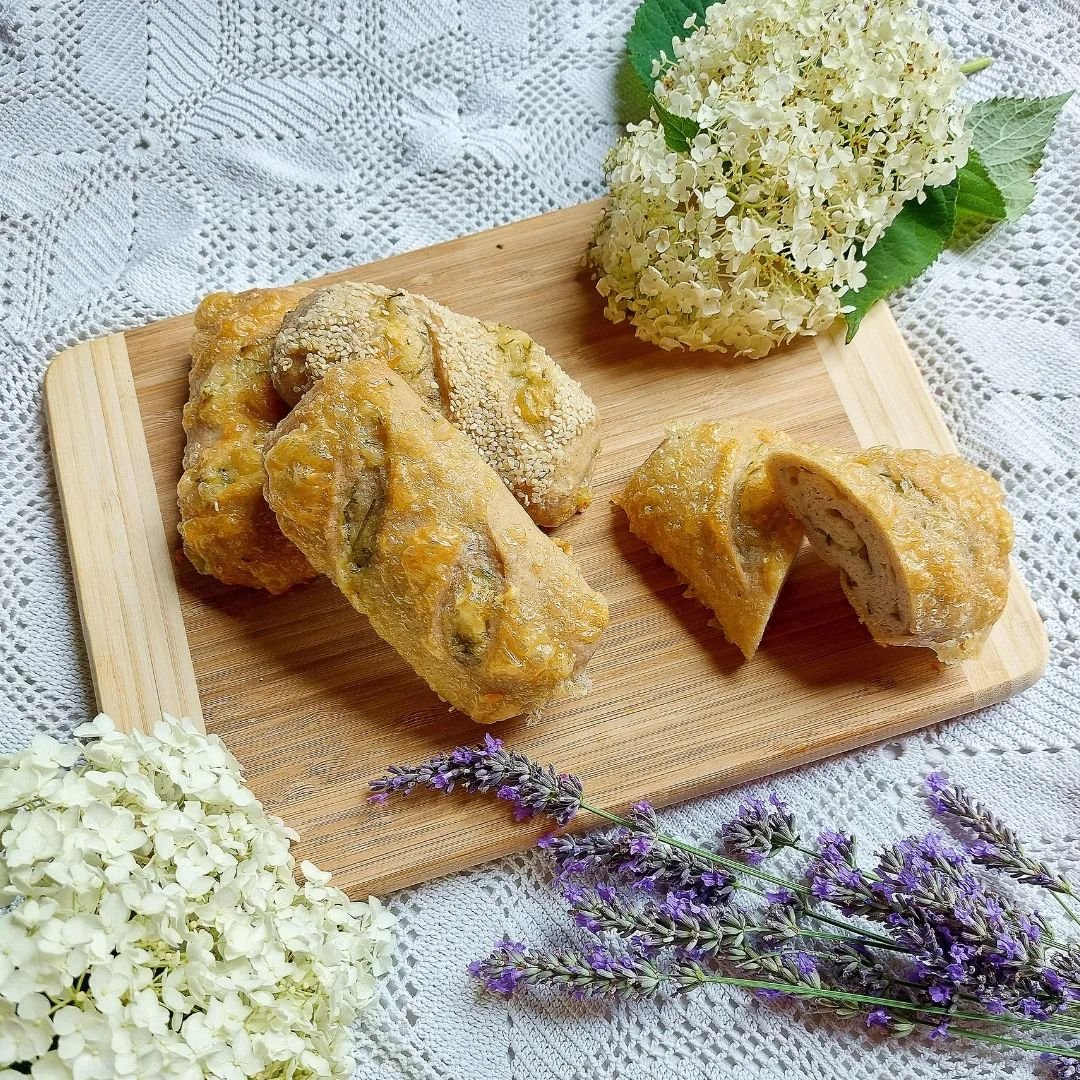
[921,540]
[704,503]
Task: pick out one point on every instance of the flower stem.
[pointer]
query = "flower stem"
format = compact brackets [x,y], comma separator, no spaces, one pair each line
[1065,907]
[1016,1044]
[844,997]
[875,939]
[980,63]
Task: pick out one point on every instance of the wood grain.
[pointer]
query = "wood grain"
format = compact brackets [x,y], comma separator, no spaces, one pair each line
[134,630]
[314,705]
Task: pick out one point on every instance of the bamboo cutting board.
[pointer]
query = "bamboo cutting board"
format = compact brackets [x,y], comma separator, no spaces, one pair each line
[314,704]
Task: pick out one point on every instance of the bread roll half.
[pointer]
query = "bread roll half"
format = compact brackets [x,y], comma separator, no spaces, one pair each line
[921,540]
[705,504]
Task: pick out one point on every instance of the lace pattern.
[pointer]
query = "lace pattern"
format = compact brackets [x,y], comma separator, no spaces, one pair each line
[153,151]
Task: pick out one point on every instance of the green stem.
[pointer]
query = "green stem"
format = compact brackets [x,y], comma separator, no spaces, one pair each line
[1065,907]
[1061,1021]
[877,940]
[1016,1044]
[843,997]
[980,63]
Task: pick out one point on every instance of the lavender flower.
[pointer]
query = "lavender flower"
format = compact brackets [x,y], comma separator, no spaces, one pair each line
[635,855]
[596,972]
[833,876]
[878,1018]
[1063,1068]
[675,922]
[531,787]
[964,938]
[761,829]
[995,846]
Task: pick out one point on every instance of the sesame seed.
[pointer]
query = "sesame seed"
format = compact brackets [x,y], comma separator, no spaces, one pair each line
[489,374]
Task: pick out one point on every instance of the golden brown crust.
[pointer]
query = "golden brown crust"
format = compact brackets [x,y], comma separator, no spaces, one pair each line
[923,540]
[703,503]
[395,506]
[227,528]
[531,422]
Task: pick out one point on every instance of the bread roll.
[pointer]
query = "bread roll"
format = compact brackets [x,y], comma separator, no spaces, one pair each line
[395,506]
[703,502]
[228,529]
[921,540]
[531,422]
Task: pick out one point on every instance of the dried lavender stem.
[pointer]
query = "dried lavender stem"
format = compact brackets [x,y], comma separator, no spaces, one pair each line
[825,935]
[743,868]
[901,1006]
[1065,907]
[1016,1044]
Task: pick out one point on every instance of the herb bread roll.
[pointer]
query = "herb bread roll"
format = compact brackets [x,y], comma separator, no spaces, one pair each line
[396,507]
[531,422]
[704,503]
[227,528]
[921,540]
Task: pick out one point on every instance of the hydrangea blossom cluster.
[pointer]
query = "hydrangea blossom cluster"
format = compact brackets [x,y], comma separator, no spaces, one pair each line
[155,927]
[817,121]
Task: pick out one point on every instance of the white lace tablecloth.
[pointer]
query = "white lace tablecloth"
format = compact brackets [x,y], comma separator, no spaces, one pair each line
[154,150]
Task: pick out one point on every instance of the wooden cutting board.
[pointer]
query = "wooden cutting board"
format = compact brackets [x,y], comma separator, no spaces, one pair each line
[314,704]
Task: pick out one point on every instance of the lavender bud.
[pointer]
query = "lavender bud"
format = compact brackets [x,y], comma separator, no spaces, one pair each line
[597,972]
[761,829]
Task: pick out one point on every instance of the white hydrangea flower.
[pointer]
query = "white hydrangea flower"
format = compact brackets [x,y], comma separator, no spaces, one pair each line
[155,927]
[819,119]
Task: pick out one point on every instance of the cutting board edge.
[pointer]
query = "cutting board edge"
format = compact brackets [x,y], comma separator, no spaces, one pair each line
[125,585]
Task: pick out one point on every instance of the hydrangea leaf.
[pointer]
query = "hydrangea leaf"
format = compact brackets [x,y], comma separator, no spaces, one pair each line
[916,237]
[656,24]
[1009,135]
[679,131]
[978,195]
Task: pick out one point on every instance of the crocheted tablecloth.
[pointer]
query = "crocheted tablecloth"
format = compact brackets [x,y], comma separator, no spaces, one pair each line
[154,151]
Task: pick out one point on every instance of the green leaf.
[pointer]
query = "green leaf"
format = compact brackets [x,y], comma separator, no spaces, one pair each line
[978,195]
[916,237]
[656,24]
[1009,135]
[679,131]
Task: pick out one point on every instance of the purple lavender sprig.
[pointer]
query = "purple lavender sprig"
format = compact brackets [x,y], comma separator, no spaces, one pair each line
[676,922]
[531,787]
[637,855]
[595,972]
[952,948]
[966,940]
[996,846]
